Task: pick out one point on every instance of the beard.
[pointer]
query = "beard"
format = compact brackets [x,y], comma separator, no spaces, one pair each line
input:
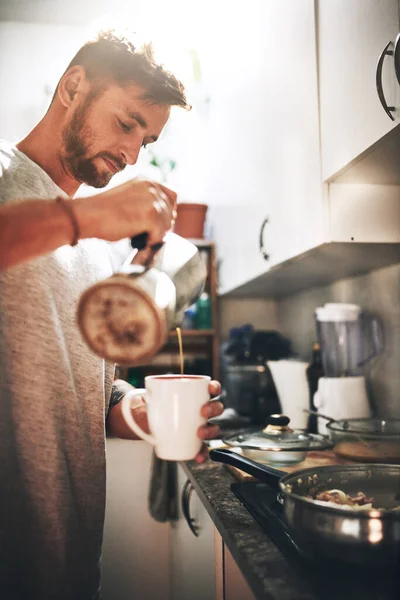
[77,159]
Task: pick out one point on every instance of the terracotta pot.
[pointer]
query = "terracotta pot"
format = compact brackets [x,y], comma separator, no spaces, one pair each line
[190,220]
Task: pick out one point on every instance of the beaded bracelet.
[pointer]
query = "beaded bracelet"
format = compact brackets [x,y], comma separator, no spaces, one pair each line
[66,204]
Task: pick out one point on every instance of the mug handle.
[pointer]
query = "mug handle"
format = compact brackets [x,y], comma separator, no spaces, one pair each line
[126,403]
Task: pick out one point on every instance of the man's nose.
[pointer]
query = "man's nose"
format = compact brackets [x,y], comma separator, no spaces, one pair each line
[130,153]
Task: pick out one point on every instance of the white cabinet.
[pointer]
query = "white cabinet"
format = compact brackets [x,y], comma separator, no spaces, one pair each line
[192,559]
[351,36]
[264,118]
[163,561]
[316,232]
[202,568]
[136,548]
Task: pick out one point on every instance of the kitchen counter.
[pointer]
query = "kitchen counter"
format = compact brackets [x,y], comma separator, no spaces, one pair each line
[271,574]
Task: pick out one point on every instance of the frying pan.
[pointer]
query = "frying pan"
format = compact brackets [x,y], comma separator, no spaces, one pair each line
[364,537]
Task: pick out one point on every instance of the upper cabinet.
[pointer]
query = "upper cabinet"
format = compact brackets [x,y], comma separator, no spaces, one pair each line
[352,36]
[283,214]
[264,161]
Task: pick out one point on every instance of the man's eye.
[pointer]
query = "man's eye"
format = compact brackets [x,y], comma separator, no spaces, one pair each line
[124,126]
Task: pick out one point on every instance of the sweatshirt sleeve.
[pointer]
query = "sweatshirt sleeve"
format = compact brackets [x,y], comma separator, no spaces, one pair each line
[118,391]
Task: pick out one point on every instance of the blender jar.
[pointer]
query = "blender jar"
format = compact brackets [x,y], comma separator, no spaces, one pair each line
[349,338]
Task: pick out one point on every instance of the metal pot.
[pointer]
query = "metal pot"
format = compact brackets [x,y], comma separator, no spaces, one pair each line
[126,318]
[369,440]
[366,440]
[367,537]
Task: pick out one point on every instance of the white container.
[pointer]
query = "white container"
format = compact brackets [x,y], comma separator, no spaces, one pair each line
[341,398]
[292,386]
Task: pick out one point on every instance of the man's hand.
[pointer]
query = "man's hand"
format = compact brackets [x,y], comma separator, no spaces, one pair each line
[34,227]
[127,210]
[118,427]
[211,409]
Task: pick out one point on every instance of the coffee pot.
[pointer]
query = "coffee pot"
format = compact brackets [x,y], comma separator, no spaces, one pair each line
[126,318]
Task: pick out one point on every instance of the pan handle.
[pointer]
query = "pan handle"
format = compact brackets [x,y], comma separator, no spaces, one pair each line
[262,472]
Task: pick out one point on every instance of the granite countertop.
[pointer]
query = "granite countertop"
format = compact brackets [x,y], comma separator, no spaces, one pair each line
[270,574]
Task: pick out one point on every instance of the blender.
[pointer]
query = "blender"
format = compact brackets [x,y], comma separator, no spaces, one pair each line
[349,339]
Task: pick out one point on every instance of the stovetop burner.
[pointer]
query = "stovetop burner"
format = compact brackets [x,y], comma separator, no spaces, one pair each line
[359,581]
[262,503]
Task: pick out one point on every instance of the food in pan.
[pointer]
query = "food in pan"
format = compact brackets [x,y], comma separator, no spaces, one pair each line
[339,497]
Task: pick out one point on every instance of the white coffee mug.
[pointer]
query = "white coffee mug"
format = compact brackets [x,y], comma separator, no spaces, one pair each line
[173,409]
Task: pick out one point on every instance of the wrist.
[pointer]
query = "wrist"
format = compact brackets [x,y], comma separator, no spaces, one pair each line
[86,217]
[66,206]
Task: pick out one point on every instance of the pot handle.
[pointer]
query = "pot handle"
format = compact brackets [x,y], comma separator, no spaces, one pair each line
[139,242]
[262,472]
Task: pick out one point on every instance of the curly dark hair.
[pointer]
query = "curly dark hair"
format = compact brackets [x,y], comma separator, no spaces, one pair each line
[113,56]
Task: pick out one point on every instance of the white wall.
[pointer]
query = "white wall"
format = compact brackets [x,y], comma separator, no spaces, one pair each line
[32,59]
[34,55]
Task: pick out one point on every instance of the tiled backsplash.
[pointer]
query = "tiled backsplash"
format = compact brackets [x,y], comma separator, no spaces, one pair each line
[378,292]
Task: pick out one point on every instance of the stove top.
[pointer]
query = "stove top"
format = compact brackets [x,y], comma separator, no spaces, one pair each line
[358,581]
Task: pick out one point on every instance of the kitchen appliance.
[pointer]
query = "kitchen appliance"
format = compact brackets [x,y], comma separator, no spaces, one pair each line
[290,379]
[250,391]
[126,318]
[349,339]
[361,537]
[277,443]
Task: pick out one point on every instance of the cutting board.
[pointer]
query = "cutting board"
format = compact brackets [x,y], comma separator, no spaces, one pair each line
[313,459]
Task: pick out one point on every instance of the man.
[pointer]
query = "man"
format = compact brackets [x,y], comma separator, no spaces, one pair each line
[56,398]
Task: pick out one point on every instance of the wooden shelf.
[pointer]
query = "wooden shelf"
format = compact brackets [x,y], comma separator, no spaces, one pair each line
[193,333]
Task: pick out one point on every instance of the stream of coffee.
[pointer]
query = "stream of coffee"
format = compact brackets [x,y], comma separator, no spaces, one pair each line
[179,334]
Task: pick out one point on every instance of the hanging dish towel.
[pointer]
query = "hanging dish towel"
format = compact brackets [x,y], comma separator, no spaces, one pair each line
[162,498]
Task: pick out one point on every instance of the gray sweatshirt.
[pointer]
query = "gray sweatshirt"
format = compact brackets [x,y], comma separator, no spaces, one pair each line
[54,400]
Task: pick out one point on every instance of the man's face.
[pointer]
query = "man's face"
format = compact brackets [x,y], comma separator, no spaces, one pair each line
[105,132]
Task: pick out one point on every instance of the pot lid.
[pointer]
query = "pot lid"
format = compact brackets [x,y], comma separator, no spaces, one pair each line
[277,436]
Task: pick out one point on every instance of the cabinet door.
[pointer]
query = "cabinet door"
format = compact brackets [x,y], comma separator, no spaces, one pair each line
[232,584]
[264,108]
[192,556]
[236,587]
[135,546]
[351,36]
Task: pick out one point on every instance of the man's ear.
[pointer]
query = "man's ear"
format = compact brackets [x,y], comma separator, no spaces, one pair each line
[72,82]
